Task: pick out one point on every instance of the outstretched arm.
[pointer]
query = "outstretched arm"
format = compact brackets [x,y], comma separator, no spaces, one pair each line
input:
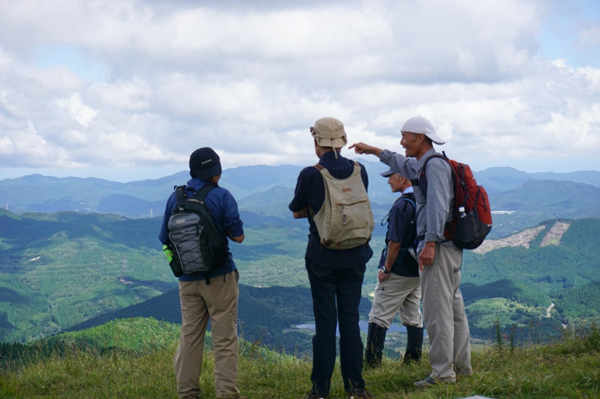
[362,148]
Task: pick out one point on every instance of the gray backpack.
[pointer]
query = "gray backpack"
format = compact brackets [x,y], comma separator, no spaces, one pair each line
[196,244]
[345,220]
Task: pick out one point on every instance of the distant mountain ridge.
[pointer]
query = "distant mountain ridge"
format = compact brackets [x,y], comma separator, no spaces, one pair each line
[145,197]
[500,179]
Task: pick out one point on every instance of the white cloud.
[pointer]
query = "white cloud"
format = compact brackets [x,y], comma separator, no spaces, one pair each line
[83,114]
[249,80]
[6,146]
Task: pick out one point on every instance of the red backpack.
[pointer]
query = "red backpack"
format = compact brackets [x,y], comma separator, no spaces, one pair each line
[472,212]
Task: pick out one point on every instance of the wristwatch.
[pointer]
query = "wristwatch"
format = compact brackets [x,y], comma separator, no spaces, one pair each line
[384,270]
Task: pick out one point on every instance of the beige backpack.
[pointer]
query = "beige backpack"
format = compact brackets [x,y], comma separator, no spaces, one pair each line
[345,220]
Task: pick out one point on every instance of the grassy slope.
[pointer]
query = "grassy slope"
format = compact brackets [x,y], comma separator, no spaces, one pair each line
[126,369]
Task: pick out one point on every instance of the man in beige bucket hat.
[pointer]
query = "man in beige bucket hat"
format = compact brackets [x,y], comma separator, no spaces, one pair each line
[329,133]
[335,275]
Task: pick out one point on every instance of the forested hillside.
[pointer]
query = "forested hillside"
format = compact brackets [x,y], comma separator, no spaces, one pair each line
[552,268]
[57,270]
[60,270]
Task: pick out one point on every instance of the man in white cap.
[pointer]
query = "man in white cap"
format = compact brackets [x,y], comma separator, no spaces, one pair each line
[439,259]
[335,275]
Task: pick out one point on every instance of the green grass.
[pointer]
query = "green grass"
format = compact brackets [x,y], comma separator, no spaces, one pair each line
[485,312]
[567,369]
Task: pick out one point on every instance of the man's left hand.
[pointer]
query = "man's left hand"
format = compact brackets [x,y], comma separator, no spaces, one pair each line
[427,255]
[383,276]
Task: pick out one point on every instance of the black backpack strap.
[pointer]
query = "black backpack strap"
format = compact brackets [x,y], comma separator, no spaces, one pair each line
[411,243]
[180,193]
[203,192]
[421,180]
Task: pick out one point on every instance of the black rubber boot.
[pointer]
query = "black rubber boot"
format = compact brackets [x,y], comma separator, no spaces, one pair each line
[414,344]
[375,343]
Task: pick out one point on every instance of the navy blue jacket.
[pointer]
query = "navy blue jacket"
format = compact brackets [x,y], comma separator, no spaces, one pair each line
[225,213]
[402,231]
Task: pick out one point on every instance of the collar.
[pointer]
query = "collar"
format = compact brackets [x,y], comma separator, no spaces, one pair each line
[330,157]
[419,164]
[408,190]
[197,183]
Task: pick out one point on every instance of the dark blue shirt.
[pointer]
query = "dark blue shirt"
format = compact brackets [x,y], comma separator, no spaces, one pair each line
[310,192]
[402,229]
[225,213]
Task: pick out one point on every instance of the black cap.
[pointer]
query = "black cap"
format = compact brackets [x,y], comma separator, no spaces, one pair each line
[205,163]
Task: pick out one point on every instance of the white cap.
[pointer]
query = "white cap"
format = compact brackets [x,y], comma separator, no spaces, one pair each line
[420,125]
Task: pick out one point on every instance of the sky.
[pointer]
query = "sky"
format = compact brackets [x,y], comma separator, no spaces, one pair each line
[126,90]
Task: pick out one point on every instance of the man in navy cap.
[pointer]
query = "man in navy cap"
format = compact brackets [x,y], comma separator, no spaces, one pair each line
[398,286]
[211,297]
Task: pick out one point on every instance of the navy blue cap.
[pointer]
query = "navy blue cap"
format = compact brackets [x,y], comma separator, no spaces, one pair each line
[205,163]
[389,172]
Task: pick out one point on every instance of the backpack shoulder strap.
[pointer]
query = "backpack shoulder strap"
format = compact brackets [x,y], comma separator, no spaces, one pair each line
[407,199]
[414,243]
[421,180]
[180,193]
[203,192]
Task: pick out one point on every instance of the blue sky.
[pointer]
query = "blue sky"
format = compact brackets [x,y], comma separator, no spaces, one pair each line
[563,33]
[127,90]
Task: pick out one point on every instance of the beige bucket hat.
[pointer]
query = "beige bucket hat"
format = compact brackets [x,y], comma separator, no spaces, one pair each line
[329,132]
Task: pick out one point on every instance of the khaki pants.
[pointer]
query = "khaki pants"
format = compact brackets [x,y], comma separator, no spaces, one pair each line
[444,315]
[397,294]
[200,302]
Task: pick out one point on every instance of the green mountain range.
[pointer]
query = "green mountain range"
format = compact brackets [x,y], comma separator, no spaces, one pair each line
[60,270]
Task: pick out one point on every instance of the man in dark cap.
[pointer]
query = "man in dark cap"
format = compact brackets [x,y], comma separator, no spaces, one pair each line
[209,296]
[398,287]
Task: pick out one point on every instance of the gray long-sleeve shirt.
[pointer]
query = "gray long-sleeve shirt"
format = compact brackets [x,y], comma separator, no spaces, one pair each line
[434,211]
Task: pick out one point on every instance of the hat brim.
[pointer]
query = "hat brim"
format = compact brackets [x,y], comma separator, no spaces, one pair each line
[388,173]
[432,136]
[435,138]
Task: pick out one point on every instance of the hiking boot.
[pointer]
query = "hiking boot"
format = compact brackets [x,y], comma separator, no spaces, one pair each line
[313,395]
[427,382]
[375,345]
[360,395]
[414,344]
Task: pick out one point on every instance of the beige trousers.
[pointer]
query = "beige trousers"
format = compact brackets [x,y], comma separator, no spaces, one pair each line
[444,315]
[200,302]
[397,294]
